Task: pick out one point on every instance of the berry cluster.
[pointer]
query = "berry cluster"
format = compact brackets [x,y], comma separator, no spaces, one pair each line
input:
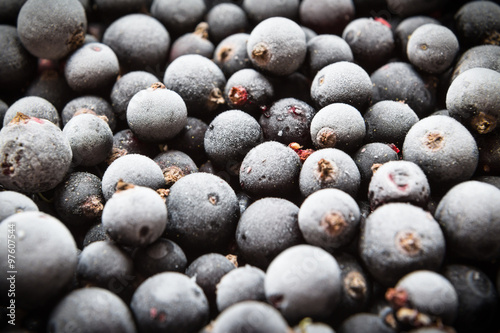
[261,166]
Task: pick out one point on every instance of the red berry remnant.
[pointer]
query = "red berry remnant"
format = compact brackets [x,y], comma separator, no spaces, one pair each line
[400,179]
[96,48]
[238,95]
[394,147]
[397,297]
[303,153]
[384,22]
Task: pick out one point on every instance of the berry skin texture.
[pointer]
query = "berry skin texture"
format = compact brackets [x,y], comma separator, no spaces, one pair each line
[288,120]
[469,215]
[207,193]
[207,271]
[161,256]
[338,125]
[342,82]
[231,54]
[430,293]
[135,169]
[199,81]
[178,17]
[372,42]
[245,283]
[389,122]
[304,281]
[46,256]
[251,317]
[169,301]
[91,310]
[78,199]
[90,138]
[32,106]
[329,218]
[34,155]
[52,29]
[400,238]
[249,90]
[371,156]
[17,65]
[326,49]
[156,114]
[126,87]
[89,104]
[443,148]
[226,19]
[473,97]
[432,48]
[261,224]
[277,46]
[477,298]
[483,56]
[358,323]
[104,264]
[326,16]
[92,68]
[230,136]
[12,202]
[196,42]
[399,181]
[329,168]
[139,41]
[477,23]
[416,90]
[270,169]
[134,216]
[406,27]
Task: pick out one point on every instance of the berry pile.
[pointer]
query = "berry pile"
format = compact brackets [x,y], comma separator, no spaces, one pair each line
[260,166]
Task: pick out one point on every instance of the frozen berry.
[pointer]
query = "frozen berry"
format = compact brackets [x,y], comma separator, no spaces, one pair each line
[201,192]
[134,215]
[399,181]
[156,114]
[270,169]
[199,81]
[230,136]
[139,41]
[400,238]
[92,68]
[277,45]
[33,106]
[241,284]
[169,301]
[52,29]
[469,215]
[342,82]
[338,125]
[432,48]
[45,258]
[263,222]
[12,202]
[329,168]
[329,218]
[135,169]
[23,168]
[304,281]
[78,199]
[90,138]
[91,310]
[443,148]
